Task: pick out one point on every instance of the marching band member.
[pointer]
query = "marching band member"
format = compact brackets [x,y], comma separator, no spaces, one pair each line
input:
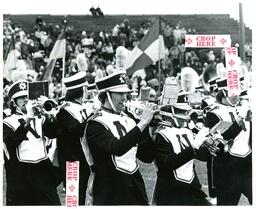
[232,167]
[208,103]
[115,142]
[71,119]
[31,177]
[175,149]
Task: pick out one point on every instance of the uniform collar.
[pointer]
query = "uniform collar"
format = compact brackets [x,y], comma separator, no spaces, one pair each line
[76,102]
[111,111]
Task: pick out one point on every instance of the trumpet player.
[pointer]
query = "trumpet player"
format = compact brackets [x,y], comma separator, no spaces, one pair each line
[115,142]
[231,169]
[31,177]
[175,150]
[72,119]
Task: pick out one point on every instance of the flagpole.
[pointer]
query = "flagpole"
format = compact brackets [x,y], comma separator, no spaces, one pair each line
[63,59]
[159,63]
[63,72]
[241,33]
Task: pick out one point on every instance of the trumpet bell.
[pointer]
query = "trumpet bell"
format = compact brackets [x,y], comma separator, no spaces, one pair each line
[49,105]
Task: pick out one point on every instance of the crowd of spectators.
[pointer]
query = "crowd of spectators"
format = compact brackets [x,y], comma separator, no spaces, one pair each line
[95,52]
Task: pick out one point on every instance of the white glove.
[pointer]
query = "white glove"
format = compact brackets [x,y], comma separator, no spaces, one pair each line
[41,100]
[30,108]
[191,125]
[243,109]
[200,137]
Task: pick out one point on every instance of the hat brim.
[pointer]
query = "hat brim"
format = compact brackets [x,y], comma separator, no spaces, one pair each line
[222,88]
[121,90]
[182,106]
[77,86]
[20,94]
[118,89]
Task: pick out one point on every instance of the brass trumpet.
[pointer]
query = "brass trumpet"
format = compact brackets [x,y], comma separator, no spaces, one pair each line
[49,106]
[167,119]
[214,138]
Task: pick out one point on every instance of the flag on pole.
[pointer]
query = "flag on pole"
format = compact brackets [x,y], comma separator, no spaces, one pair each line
[11,60]
[150,49]
[58,52]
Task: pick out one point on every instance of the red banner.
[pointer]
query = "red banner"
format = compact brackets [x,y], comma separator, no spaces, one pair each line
[72,183]
[232,66]
[207,41]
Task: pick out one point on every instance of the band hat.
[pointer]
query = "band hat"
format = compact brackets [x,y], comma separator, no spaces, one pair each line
[213,85]
[91,87]
[182,103]
[18,89]
[244,94]
[116,82]
[213,80]
[242,78]
[75,81]
[182,106]
[200,88]
[222,83]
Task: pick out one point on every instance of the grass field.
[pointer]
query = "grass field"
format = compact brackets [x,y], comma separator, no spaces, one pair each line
[149,174]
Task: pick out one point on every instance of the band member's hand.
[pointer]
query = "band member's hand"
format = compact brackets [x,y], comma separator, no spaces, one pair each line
[200,137]
[41,100]
[30,108]
[148,113]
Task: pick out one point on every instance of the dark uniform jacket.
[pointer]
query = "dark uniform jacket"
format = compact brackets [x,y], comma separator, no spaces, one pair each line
[231,171]
[71,120]
[177,182]
[115,143]
[31,177]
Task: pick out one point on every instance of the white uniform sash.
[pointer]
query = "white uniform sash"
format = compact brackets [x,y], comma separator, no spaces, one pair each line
[76,110]
[119,125]
[180,138]
[240,147]
[32,150]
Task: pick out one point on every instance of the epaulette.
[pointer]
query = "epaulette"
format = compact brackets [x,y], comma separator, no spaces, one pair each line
[65,104]
[94,114]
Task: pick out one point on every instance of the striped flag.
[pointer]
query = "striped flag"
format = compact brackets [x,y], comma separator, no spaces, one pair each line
[150,49]
[11,60]
[58,51]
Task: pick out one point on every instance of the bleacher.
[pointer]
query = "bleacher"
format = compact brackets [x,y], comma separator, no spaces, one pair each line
[203,23]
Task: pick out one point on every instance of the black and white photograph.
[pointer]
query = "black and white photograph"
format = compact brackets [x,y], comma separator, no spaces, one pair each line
[127,103]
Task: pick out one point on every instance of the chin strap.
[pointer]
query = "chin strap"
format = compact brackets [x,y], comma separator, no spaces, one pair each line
[17,107]
[175,119]
[110,101]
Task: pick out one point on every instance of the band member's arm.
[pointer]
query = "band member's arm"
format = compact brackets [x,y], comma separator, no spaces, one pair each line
[14,138]
[50,127]
[99,136]
[168,158]
[145,151]
[69,124]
